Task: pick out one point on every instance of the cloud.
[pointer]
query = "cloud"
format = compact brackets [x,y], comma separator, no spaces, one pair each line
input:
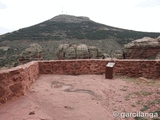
[149,3]
[2,5]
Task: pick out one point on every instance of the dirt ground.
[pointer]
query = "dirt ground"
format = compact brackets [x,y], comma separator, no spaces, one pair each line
[85,97]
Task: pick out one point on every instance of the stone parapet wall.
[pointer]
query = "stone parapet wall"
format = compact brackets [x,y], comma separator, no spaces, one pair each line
[138,68]
[72,67]
[16,81]
[131,68]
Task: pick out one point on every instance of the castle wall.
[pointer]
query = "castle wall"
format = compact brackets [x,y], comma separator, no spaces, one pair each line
[131,68]
[16,81]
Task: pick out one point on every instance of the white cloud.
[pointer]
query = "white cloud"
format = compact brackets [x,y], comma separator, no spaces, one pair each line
[4,30]
[2,5]
[149,3]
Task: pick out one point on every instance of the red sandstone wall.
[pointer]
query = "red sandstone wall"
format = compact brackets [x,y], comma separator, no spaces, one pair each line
[138,68]
[132,68]
[73,67]
[16,81]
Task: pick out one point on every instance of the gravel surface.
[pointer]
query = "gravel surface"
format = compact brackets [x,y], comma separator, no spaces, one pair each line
[84,97]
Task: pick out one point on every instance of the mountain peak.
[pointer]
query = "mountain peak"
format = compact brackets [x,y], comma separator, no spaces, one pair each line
[69,18]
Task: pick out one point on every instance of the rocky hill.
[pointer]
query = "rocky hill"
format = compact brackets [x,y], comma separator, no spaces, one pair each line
[65,29]
[69,19]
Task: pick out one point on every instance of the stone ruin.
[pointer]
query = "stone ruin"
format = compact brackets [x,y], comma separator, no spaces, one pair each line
[144,48]
[16,81]
[32,53]
[82,51]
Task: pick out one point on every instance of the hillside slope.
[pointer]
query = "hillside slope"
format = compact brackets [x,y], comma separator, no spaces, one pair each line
[65,29]
[71,27]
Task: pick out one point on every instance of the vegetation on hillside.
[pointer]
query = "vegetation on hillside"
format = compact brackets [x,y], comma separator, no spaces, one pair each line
[50,34]
[52,30]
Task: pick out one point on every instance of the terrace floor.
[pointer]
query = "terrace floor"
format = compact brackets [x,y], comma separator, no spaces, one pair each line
[83,97]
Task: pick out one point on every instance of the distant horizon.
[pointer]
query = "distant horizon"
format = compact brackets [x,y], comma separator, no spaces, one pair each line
[137,15]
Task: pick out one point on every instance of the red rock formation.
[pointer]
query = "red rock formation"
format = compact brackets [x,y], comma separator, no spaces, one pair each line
[33,53]
[145,48]
[82,51]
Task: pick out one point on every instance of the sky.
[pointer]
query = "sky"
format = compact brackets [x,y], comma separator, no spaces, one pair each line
[139,15]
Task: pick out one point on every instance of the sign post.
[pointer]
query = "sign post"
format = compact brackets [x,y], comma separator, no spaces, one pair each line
[109,70]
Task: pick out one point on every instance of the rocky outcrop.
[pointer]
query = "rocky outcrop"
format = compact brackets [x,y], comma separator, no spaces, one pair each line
[34,52]
[118,54]
[4,48]
[145,48]
[82,51]
[69,19]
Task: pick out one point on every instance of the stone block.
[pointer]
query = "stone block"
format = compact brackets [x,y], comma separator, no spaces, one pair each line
[17,87]
[3,76]
[2,92]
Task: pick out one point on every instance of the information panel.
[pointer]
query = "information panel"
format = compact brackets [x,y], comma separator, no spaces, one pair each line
[110,64]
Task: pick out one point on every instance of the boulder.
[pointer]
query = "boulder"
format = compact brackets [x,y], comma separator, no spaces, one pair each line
[82,51]
[118,54]
[95,52]
[144,42]
[145,48]
[70,52]
[33,52]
